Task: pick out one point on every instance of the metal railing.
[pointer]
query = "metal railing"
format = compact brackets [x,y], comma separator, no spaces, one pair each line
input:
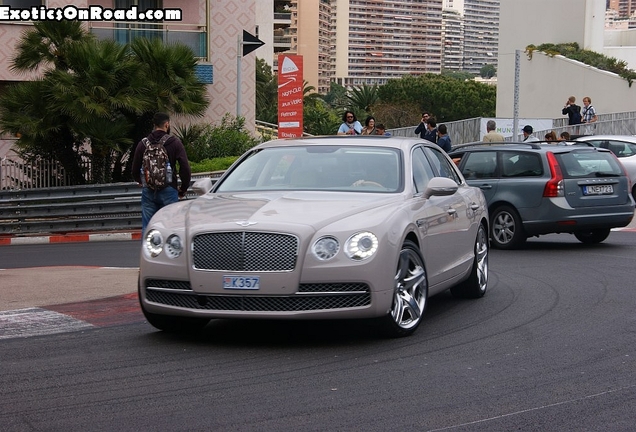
[67,209]
[168,33]
[17,174]
[461,131]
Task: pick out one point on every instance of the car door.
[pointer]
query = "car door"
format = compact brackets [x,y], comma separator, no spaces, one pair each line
[453,238]
[479,168]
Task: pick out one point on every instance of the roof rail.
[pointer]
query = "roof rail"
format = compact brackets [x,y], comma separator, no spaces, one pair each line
[534,144]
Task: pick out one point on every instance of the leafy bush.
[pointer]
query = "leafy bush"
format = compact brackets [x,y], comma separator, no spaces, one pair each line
[216,164]
[600,61]
[204,141]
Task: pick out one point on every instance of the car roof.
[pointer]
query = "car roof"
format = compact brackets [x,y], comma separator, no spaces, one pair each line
[536,146]
[627,138]
[403,143]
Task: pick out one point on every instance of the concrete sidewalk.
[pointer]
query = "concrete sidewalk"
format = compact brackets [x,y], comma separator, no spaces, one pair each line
[45,286]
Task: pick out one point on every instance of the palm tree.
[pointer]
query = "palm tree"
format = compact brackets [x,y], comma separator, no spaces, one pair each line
[364,97]
[46,45]
[96,92]
[166,81]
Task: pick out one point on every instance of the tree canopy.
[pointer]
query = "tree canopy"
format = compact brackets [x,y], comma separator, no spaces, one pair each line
[94,98]
[398,103]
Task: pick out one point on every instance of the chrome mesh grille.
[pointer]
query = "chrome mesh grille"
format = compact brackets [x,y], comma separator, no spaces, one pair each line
[245,251]
[305,302]
[168,284]
[333,287]
[259,304]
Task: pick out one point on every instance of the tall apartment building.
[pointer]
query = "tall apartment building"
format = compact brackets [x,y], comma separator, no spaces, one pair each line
[379,40]
[625,8]
[273,19]
[452,40]
[355,42]
[481,34]
[311,36]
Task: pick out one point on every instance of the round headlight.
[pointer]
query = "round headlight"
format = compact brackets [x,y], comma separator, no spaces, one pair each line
[361,246]
[173,246]
[154,242]
[326,248]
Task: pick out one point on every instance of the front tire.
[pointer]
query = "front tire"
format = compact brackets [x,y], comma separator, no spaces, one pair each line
[410,293]
[592,236]
[506,229]
[477,283]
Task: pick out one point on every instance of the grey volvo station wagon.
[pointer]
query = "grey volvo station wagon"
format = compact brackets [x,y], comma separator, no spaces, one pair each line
[534,189]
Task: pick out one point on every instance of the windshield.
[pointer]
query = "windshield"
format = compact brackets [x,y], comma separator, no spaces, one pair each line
[318,168]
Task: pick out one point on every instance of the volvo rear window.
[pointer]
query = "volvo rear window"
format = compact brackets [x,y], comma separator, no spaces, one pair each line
[589,164]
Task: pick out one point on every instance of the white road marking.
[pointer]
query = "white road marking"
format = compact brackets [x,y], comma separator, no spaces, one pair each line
[37,322]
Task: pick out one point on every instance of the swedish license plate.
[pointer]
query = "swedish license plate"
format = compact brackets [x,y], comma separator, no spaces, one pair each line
[242,282]
[598,189]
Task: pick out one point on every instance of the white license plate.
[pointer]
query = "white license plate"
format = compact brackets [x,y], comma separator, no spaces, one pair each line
[242,282]
[598,189]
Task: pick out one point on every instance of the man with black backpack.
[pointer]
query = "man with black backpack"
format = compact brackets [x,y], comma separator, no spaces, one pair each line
[572,110]
[154,167]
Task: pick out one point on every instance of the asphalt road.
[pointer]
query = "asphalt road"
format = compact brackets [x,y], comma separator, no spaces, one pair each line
[551,347]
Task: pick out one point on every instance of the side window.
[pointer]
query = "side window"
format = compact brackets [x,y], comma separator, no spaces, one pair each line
[422,171]
[440,162]
[630,149]
[480,165]
[621,149]
[521,164]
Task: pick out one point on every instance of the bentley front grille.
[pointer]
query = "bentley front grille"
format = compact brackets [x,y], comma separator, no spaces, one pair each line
[245,251]
[335,296]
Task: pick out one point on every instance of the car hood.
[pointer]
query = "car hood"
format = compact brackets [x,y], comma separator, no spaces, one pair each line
[315,209]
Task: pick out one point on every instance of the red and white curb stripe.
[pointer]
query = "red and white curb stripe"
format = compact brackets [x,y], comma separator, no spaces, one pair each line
[70,317]
[69,238]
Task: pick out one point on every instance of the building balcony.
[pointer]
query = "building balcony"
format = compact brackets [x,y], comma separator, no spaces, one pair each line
[192,35]
[282,42]
[282,17]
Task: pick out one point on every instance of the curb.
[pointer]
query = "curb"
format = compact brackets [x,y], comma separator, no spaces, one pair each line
[70,238]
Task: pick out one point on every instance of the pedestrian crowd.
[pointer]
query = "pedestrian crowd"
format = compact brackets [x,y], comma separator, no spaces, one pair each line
[429,130]
[351,126]
[577,115]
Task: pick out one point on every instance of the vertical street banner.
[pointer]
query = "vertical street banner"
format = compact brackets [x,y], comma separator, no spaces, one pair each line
[290,96]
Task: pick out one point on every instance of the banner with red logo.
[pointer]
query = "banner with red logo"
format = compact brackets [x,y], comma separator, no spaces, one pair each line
[290,96]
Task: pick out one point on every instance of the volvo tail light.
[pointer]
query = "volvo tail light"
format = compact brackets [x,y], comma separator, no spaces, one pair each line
[554,186]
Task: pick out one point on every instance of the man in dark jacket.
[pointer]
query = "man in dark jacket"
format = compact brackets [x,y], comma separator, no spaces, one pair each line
[572,110]
[422,128]
[153,200]
[431,133]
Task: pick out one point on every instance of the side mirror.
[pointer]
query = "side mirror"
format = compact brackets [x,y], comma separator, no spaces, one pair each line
[202,186]
[440,186]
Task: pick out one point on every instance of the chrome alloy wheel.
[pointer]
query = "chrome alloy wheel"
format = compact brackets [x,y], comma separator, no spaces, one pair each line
[503,228]
[481,260]
[507,228]
[411,289]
